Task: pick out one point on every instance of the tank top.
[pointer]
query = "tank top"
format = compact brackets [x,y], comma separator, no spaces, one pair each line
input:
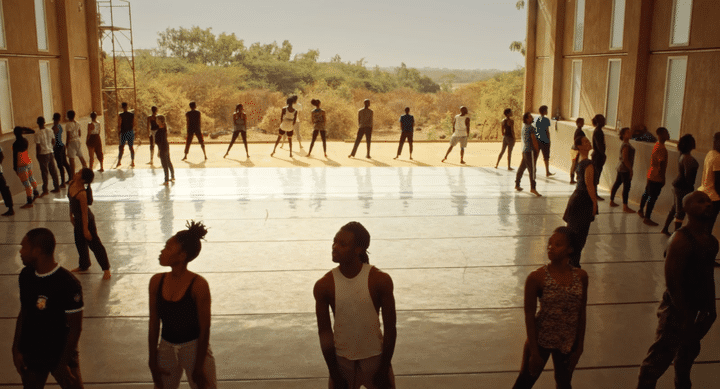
[23,158]
[287,122]
[631,157]
[76,210]
[126,121]
[318,119]
[357,326]
[460,128]
[687,172]
[239,123]
[96,130]
[153,125]
[180,322]
[58,137]
[559,314]
[580,170]
[193,120]
[509,133]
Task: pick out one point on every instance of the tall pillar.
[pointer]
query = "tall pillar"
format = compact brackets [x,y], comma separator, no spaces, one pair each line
[639,52]
[558,32]
[66,61]
[530,42]
[92,22]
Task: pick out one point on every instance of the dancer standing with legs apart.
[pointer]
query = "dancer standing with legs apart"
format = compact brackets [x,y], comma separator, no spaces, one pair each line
[530,149]
[94,142]
[624,170]
[59,151]
[582,205]
[126,128]
[287,123]
[164,150]
[684,183]
[318,120]
[598,144]
[407,129]
[356,351]
[22,164]
[5,190]
[240,128]
[83,221]
[365,127]
[194,122]
[152,128]
[50,320]
[542,129]
[74,144]
[507,129]
[461,132]
[558,328]
[579,123]
[655,176]
[44,153]
[687,310]
[296,127]
[180,300]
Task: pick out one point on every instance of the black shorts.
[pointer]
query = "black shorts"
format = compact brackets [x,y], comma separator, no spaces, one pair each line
[288,133]
[545,150]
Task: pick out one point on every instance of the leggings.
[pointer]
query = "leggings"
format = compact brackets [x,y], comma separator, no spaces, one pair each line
[244,139]
[166,163]
[405,135]
[561,364]
[623,178]
[25,174]
[509,144]
[190,134]
[652,192]
[314,136]
[95,244]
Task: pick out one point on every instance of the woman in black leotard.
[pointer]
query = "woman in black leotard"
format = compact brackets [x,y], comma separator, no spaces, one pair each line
[507,127]
[582,206]
[684,183]
[180,300]
[83,221]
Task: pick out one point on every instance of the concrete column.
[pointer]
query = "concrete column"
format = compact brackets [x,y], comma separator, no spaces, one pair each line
[639,53]
[557,75]
[92,21]
[66,61]
[530,44]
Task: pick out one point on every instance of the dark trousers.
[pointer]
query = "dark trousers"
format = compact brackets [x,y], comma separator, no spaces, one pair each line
[677,211]
[62,163]
[405,135]
[95,244]
[47,164]
[561,364]
[190,134]
[598,161]
[623,178]
[314,136]
[652,191]
[166,163]
[35,378]
[367,131]
[581,229]
[528,162]
[232,141]
[5,191]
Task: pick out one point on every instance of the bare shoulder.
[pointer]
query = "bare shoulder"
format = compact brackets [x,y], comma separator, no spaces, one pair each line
[536,278]
[155,281]
[380,279]
[324,286]
[583,276]
[200,286]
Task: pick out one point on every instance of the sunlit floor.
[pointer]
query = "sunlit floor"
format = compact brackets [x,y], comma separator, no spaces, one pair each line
[457,241]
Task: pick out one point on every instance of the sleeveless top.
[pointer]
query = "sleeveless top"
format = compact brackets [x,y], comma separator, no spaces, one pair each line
[559,314]
[58,137]
[239,123]
[357,326]
[460,128]
[318,119]
[509,133]
[76,210]
[631,157]
[580,170]
[126,121]
[23,158]
[180,322]
[687,172]
[287,122]
[193,120]
[96,130]
[153,125]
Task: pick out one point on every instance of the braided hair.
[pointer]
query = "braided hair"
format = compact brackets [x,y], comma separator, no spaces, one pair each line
[189,239]
[362,238]
[87,176]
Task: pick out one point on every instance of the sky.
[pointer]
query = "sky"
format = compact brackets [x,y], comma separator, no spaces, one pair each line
[453,34]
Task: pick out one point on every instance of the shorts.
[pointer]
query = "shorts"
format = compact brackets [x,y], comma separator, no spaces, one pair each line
[458,139]
[73,149]
[175,358]
[545,150]
[288,133]
[361,372]
[127,137]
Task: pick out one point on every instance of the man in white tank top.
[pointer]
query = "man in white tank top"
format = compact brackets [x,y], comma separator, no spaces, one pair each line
[461,131]
[356,292]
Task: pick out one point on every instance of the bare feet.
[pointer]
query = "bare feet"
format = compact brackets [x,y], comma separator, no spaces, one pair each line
[665,232]
[641,213]
[118,165]
[396,157]
[444,159]
[614,204]
[132,164]
[26,206]
[350,156]
[411,158]
[509,168]
[548,174]
[650,222]
[9,212]
[462,162]
[518,188]
[78,270]
[106,275]
[166,183]
[573,182]
[599,198]
[535,192]
[627,209]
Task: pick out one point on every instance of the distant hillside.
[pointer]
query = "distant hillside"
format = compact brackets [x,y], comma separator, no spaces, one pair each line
[454,76]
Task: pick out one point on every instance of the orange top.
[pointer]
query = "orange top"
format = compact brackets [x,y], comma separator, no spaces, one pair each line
[658,163]
[23,158]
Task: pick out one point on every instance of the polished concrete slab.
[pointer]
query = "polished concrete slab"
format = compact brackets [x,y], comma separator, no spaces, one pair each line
[458,242]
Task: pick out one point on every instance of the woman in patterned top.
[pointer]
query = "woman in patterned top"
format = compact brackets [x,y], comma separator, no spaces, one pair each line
[22,164]
[318,119]
[558,328]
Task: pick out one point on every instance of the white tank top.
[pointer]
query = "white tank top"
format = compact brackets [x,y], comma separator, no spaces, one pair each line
[287,122]
[460,128]
[97,129]
[355,317]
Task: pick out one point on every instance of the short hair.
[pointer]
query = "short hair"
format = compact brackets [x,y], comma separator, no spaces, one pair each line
[686,144]
[238,107]
[407,109]
[294,98]
[361,238]
[71,114]
[598,120]
[543,108]
[579,119]
[43,239]
[40,121]
[716,137]
[93,115]
[124,104]
[315,102]
[570,236]
[161,118]
[622,132]
[189,239]
[56,116]
[507,111]
[578,140]
[526,115]
[662,130]
[192,104]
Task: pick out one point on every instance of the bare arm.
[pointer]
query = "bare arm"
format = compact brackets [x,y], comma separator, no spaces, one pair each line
[590,184]
[154,329]
[582,321]
[201,291]
[626,159]
[533,287]
[84,211]
[325,332]
[387,305]
[675,265]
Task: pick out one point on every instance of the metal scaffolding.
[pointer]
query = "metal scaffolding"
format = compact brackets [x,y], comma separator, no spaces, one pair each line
[116,45]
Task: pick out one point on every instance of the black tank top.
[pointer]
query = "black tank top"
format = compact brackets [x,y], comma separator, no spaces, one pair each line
[180,322]
[126,121]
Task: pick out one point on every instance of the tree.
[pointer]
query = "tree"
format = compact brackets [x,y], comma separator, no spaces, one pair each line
[517,45]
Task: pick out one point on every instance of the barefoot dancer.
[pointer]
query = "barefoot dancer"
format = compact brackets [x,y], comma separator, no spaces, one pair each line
[318,119]
[287,124]
[624,170]
[83,221]
[240,128]
[507,128]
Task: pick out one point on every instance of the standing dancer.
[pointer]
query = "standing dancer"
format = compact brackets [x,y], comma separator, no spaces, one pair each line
[94,142]
[194,122]
[83,221]
[530,149]
[542,129]
[59,151]
[655,177]
[180,300]
[684,183]
[624,170]
[507,129]
[240,128]
[164,150]
[296,127]
[22,164]
[318,120]
[461,132]
[579,123]
[74,145]
[152,128]
[126,128]
[44,153]
[288,116]
[598,144]
[365,127]
[582,205]
[407,129]
[5,190]
[558,328]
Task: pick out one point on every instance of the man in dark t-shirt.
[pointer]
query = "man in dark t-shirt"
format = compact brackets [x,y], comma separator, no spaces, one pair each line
[192,117]
[126,128]
[50,320]
[407,127]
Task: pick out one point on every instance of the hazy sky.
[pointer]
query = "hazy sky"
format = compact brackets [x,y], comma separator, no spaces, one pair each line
[457,34]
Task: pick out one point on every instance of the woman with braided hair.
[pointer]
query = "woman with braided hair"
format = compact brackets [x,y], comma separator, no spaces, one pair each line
[180,300]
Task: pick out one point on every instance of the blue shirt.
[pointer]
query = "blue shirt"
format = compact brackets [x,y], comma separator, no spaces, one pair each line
[407,122]
[542,124]
[526,135]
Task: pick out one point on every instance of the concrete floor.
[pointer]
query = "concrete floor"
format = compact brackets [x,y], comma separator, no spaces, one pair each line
[458,242]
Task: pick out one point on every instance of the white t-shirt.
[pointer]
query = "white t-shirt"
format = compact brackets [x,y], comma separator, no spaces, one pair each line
[45,138]
[460,127]
[711,165]
[73,131]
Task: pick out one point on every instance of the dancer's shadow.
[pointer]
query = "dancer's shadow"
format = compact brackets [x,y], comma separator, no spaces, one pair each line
[246,163]
[195,165]
[372,162]
[418,163]
[331,162]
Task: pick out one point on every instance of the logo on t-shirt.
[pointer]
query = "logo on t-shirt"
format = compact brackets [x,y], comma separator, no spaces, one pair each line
[41,302]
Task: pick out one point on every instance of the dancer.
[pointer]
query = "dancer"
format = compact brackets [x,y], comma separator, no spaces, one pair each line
[598,144]
[655,177]
[5,189]
[579,123]
[59,151]
[83,221]
[356,351]
[507,129]
[44,153]
[22,164]
[711,177]
[318,120]
[684,183]
[164,150]
[152,128]
[582,205]
[542,129]
[180,299]
[407,129]
[193,120]
[624,170]
[287,123]
[530,149]
[50,320]
[365,127]
[296,127]
[687,310]
[461,132]
[240,128]
[558,328]
[74,146]
[94,142]
[126,128]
